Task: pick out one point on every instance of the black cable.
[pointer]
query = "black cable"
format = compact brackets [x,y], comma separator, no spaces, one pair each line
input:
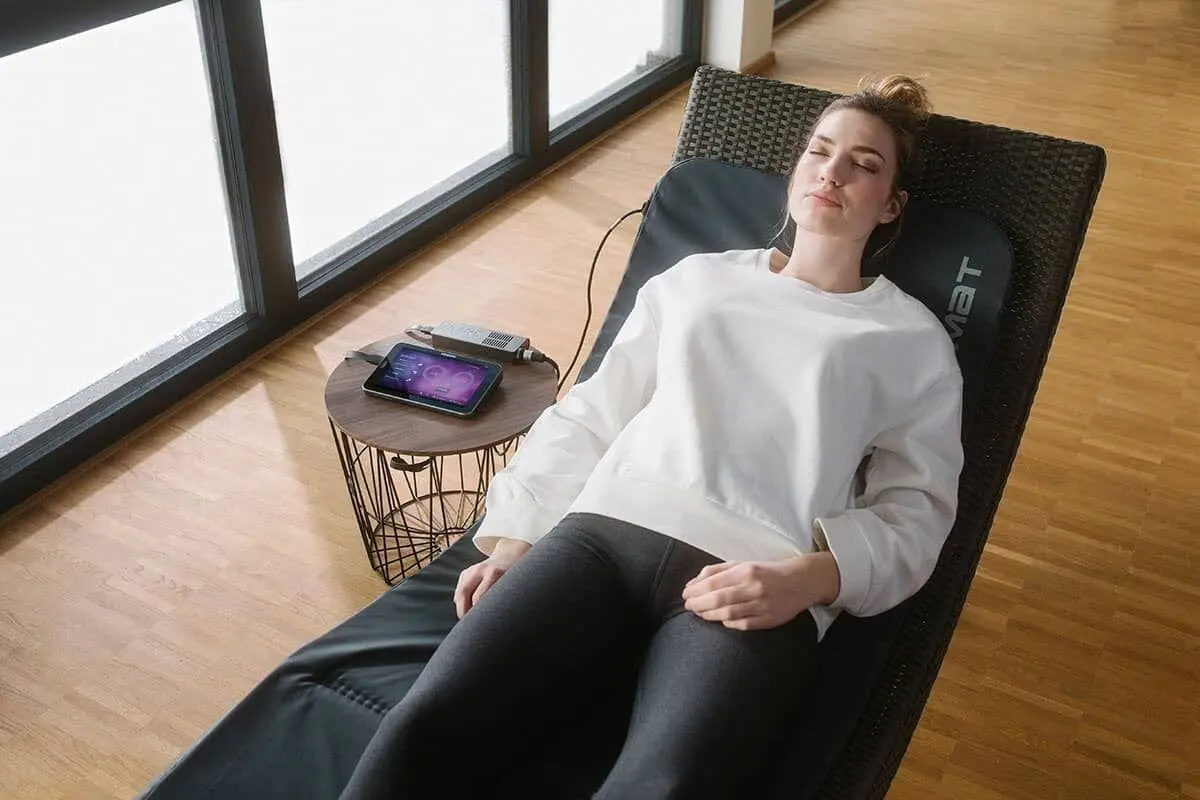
[591,274]
[531,354]
[557,372]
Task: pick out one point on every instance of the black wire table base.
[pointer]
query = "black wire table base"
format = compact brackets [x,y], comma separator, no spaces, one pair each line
[411,508]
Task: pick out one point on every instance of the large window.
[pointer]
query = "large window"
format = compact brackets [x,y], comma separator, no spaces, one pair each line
[597,48]
[419,101]
[114,241]
[183,182]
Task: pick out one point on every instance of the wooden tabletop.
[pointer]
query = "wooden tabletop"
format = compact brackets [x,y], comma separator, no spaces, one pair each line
[525,392]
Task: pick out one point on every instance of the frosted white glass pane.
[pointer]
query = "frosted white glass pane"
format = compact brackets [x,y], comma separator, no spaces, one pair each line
[596,48]
[379,101]
[114,237]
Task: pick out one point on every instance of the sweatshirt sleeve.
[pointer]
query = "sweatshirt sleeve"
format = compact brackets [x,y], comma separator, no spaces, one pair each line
[887,548]
[532,493]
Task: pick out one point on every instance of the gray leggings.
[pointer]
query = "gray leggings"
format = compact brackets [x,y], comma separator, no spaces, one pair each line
[595,598]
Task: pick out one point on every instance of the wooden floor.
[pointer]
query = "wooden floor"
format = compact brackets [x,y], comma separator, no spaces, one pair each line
[146,593]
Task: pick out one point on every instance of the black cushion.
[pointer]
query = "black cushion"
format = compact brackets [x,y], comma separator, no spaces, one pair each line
[959,264]
[299,733]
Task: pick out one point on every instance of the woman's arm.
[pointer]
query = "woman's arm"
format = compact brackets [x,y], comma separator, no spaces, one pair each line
[886,550]
[529,496]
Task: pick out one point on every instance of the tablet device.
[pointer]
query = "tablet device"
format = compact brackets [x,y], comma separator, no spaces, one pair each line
[439,380]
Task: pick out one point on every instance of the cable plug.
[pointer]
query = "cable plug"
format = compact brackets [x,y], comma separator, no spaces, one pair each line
[420,331]
[530,355]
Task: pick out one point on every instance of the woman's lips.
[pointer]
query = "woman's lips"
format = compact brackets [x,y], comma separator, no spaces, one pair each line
[823,200]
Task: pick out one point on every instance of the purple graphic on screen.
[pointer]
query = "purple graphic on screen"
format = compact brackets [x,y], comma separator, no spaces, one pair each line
[433,376]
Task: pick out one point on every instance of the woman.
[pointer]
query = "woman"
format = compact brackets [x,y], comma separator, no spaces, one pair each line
[695,510]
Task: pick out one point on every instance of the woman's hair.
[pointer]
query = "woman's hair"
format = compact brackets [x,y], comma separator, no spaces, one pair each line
[903,105]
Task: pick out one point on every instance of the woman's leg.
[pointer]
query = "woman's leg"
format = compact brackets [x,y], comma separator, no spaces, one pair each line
[709,699]
[531,654]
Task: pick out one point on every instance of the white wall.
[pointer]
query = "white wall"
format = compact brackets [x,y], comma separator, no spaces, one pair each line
[737,33]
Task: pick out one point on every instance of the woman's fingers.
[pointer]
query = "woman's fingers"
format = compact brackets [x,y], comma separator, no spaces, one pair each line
[726,588]
[468,581]
[711,570]
[490,576]
[473,583]
[721,598]
[733,612]
[711,577]
[751,623]
[745,616]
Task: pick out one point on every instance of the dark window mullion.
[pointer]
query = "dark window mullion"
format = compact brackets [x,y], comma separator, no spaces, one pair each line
[529,42]
[235,48]
[693,31]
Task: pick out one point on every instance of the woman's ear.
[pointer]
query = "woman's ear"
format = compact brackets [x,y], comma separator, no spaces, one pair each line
[895,205]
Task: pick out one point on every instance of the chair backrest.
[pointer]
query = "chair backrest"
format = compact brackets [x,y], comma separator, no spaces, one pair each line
[1040,192]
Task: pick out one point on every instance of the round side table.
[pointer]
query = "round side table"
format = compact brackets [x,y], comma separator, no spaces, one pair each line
[418,478]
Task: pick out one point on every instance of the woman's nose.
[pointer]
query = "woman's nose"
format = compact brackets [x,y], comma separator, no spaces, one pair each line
[832,172]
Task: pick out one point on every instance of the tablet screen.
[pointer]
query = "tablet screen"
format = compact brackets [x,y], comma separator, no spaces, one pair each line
[416,372]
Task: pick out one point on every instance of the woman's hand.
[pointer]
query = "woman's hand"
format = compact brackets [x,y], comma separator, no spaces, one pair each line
[752,595]
[476,579]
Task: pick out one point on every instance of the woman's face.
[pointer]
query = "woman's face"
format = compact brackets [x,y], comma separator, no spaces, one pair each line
[842,184]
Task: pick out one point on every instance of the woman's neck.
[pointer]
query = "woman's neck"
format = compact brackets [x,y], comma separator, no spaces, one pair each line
[834,265]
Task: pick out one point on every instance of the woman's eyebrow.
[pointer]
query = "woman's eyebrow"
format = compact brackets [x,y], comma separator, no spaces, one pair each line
[857,148]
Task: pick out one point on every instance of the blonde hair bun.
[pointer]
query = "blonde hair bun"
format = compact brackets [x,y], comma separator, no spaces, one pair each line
[899,90]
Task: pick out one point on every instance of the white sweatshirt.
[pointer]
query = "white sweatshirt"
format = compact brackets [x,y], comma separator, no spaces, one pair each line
[732,412]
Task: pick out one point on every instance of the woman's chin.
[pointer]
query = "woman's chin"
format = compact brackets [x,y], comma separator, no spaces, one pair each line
[822,224]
